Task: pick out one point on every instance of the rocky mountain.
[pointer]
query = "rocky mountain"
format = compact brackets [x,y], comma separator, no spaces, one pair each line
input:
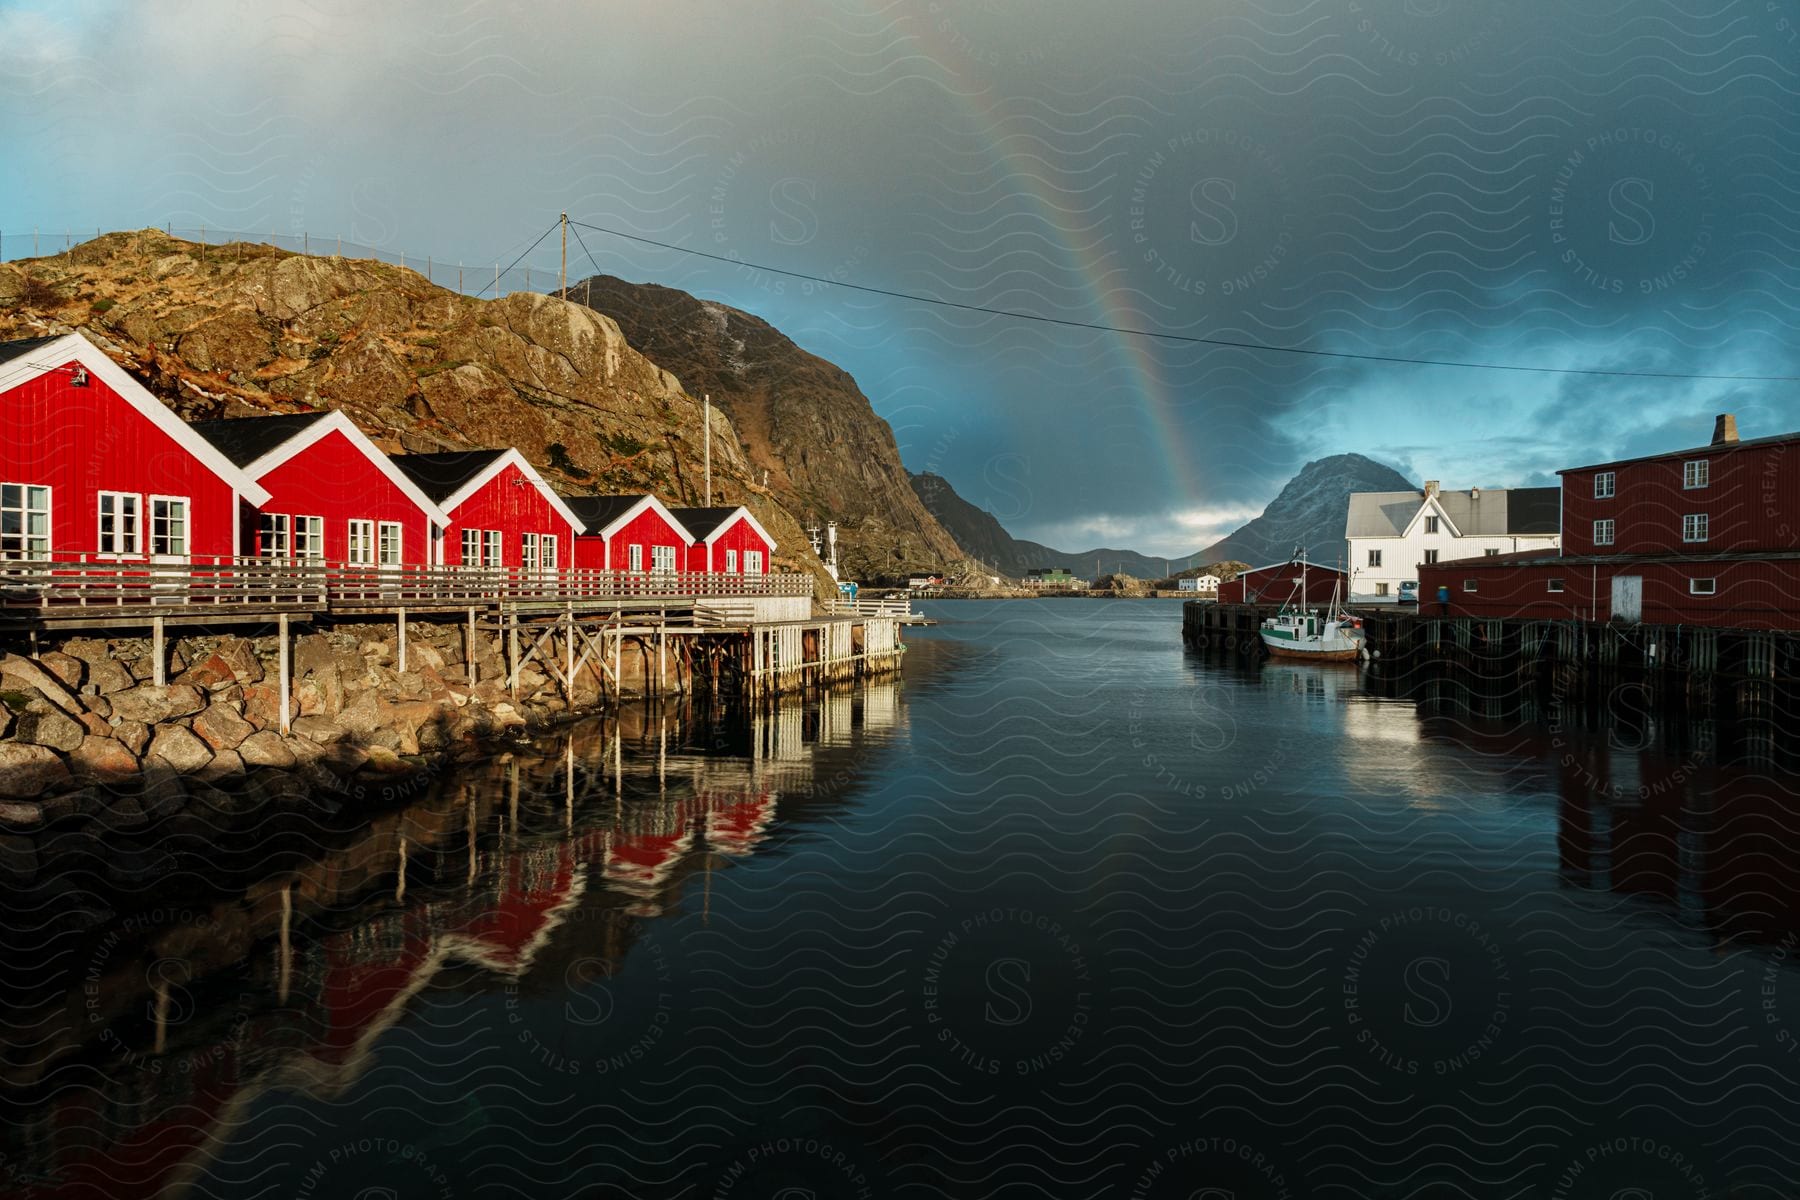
[241,329]
[1309,511]
[803,424]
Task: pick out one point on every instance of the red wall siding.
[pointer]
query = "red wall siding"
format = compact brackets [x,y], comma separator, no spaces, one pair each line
[1753,501]
[1751,594]
[739,535]
[1273,585]
[85,440]
[514,509]
[332,479]
[647,529]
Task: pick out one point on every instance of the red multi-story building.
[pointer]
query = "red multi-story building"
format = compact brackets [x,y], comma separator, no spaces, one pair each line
[499,510]
[333,495]
[1706,536]
[94,466]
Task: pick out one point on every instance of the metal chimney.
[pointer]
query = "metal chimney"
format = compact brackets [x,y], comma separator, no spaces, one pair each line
[1724,429]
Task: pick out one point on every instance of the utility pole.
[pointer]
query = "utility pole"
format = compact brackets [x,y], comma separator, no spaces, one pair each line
[562,274]
[707,440]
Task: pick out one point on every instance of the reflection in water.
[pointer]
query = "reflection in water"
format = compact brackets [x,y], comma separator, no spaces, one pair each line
[130,1061]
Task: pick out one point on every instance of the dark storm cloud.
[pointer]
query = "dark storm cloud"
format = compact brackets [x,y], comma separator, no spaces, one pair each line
[1565,184]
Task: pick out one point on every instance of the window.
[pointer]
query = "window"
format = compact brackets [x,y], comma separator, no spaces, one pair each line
[491,553]
[1374,558]
[309,538]
[273,535]
[390,544]
[471,547]
[1603,532]
[362,544]
[1431,524]
[24,521]
[1696,474]
[528,552]
[753,562]
[1381,589]
[1470,585]
[635,556]
[1555,585]
[1431,556]
[1693,527]
[1702,587]
[1490,553]
[169,526]
[731,562]
[662,559]
[547,552]
[1603,485]
[119,531]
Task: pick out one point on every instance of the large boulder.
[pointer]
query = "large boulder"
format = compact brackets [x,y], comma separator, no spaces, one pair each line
[154,705]
[222,728]
[51,729]
[179,748]
[102,759]
[322,730]
[133,735]
[241,654]
[211,673]
[107,676]
[28,770]
[19,671]
[266,749]
[65,667]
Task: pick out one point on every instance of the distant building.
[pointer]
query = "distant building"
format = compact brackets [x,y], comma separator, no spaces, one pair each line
[1392,534]
[1279,582]
[922,582]
[1692,537]
[1198,583]
[1052,577]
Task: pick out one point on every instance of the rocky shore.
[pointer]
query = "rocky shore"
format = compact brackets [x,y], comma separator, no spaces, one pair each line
[91,748]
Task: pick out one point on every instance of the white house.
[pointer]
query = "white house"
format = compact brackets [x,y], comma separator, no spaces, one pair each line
[1198,583]
[1392,533]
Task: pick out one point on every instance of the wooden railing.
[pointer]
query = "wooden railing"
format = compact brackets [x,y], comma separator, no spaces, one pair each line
[91,582]
[871,607]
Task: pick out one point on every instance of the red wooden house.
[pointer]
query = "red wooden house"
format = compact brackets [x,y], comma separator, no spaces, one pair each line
[1279,582]
[93,464]
[1705,536]
[333,495]
[629,533]
[500,512]
[727,541]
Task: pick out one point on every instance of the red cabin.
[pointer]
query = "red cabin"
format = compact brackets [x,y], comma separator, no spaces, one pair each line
[333,496]
[727,541]
[93,464]
[629,533]
[1277,583]
[500,512]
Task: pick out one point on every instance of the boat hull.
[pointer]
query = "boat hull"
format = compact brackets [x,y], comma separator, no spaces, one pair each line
[1315,654]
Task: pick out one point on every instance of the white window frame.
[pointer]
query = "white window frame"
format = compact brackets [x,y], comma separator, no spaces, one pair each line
[382,531]
[1374,558]
[275,535]
[634,558]
[137,533]
[493,548]
[1431,524]
[731,564]
[313,529]
[753,562]
[187,526]
[360,536]
[528,553]
[1431,557]
[1695,527]
[662,560]
[1606,484]
[1553,585]
[1711,587]
[1696,473]
[1604,530]
[471,547]
[1471,585]
[26,511]
[547,553]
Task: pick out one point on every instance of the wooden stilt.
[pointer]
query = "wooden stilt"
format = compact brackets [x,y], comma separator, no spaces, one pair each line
[400,627]
[284,656]
[470,654]
[569,655]
[159,647]
[512,650]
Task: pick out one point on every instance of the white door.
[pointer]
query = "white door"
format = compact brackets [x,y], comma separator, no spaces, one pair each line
[1628,597]
[169,546]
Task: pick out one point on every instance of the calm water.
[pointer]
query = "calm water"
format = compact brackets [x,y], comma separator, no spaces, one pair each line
[1067,911]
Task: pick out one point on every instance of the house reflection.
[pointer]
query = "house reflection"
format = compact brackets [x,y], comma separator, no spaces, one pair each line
[128,1064]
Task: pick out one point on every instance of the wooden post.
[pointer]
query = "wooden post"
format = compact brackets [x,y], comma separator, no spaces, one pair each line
[285,671]
[512,651]
[159,669]
[618,655]
[569,655]
[470,655]
[662,675]
[400,655]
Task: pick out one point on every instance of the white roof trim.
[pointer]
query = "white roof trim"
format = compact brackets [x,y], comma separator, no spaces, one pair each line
[337,422]
[49,357]
[1431,503]
[631,514]
[1292,562]
[728,522]
[512,458]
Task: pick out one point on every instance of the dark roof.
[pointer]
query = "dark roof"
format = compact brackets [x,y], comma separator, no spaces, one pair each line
[12,350]
[1693,452]
[1534,510]
[597,512]
[245,439]
[702,521]
[441,476]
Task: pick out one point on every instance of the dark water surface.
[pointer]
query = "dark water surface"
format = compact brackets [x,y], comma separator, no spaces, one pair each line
[1067,911]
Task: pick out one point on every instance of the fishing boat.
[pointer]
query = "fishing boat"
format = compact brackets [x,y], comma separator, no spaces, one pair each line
[1299,632]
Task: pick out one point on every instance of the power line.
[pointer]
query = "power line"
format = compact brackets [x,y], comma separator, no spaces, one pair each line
[515,262]
[1185,339]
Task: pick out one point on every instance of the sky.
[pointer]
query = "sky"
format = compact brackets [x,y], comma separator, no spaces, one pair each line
[1539,183]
